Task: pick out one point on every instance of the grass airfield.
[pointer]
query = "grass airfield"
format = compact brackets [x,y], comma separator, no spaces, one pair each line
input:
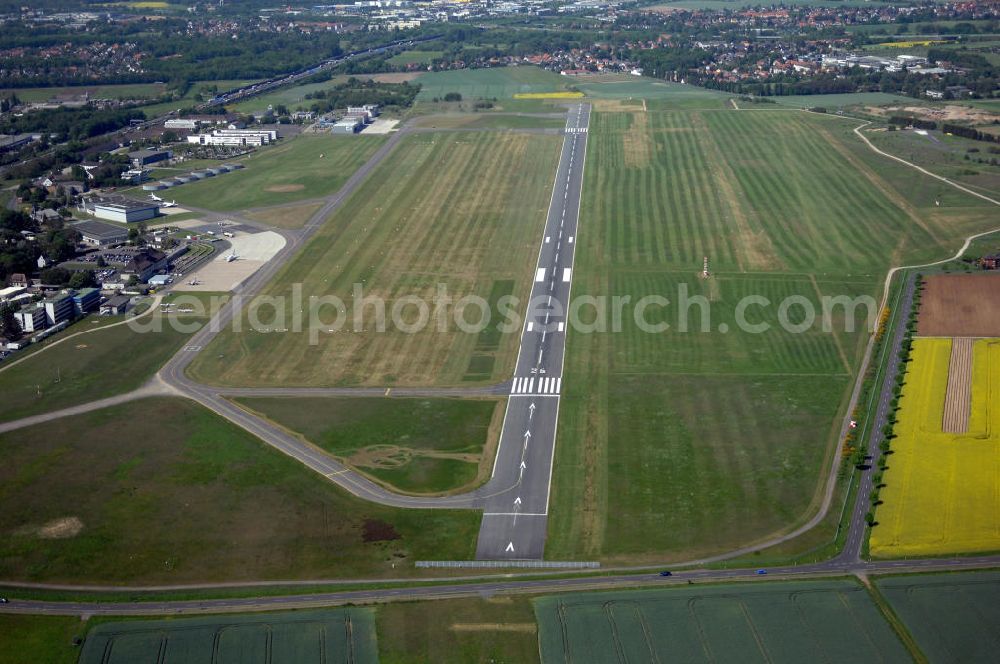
[410,445]
[464,210]
[300,168]
[166,492]
[677,444]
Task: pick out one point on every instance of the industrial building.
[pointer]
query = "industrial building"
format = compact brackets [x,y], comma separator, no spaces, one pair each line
[180,123]
[239,137]
[122,209]
[141,158]
[15,142]
[348,125]
[100,234]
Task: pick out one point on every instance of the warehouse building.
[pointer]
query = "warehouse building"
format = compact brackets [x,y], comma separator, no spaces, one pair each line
[181,123]
[349,125]
[140,158]
[100,234]
[123,209]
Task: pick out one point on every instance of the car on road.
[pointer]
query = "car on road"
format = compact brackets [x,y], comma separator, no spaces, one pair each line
[666,572]
[761,572]
[3,600]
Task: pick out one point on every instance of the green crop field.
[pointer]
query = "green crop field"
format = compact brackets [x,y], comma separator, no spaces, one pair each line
[415,57]
[98,364]
[777,622]
[49,639]
[500,82]
[463,211]
[300,168]
[952,617]
[198,90]
[124,91]
[490,121]
[679,443]
[167,492]
[835,101]
[658,94]
[414,445]
[294,215]
[500,629]
[342,635]
[292,96]
[948,156]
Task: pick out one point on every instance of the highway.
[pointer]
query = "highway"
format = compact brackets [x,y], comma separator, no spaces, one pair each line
[489,588]
[516,502]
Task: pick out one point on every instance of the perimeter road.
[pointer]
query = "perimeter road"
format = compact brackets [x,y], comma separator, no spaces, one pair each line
[515,517]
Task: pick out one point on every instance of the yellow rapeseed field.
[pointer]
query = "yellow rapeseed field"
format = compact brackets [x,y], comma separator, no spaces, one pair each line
[942,492]
[911,44]
[548,95]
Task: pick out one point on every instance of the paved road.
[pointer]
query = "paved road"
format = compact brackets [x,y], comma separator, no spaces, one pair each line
[517,500]
[487,588]
[857,526]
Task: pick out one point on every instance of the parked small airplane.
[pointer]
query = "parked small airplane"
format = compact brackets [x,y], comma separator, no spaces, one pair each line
[156,198]
[231,257]
[166,204]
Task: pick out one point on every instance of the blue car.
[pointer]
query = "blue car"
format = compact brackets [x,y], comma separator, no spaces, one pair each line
[762,571]
[666,572]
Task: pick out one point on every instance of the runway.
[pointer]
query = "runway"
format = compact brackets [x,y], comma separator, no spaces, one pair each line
[516,500]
